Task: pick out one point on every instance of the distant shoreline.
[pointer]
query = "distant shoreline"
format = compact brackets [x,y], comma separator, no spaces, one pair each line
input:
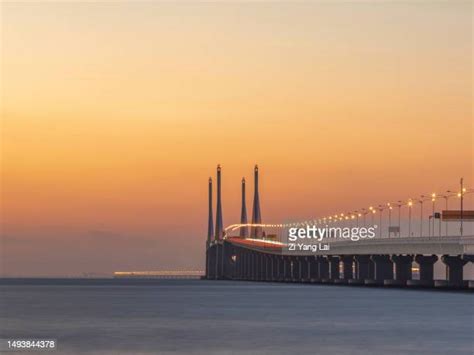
[83,281]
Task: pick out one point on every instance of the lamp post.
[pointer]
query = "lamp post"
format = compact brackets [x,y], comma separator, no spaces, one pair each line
[421,214]
[433,200]
[399,218]
[380,225]
[430,217]
[372,211]
[389,206]
[410,205]
[446,197]
[353,216]
[463,190]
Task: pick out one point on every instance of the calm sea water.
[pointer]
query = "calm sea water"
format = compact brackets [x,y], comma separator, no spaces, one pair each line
[220,317]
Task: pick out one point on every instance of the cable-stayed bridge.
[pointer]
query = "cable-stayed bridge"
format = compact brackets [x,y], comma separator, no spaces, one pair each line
[405,236]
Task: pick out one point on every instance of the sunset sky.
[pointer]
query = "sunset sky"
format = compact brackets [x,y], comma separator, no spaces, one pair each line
[114,115]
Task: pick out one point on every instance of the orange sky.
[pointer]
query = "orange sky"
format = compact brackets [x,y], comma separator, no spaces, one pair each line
[115,114]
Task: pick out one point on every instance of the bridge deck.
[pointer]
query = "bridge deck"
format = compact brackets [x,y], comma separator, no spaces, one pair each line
[453,245]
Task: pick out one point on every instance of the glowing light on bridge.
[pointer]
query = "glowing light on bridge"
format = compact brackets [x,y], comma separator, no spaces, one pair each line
[350,217]
[160,273]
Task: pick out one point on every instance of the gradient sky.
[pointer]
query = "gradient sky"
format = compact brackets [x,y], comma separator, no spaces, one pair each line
[114,115]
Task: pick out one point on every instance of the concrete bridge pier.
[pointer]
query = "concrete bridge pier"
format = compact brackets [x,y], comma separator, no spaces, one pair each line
[236,261]
[402,270]
[294,267]
[346,261]
[267,267]
[240,264]
[469,258]
[276,268]
[272,267]
[371,269]
[333,262]
[266,270]
[304,269]
[206,273]
[248,274]
[245,265]
[256,266]
[243,260]
[252,266]
[215,262]
[218,261]
[258,263]
[229,264]
[454,272]
[262,267]
[298,269]
[284,263]
[323,268]
[426,267]
[287,269]
[281,268]
[223,255]
[256,276]
[207,262]
[211,263]
[362,269]
[383,270]
[313,269]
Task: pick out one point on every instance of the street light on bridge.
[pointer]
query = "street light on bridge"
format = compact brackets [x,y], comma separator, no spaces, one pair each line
[446,197]
[357,215]
[389,206]
[399,205]
[371,211]
[364,213]
[410,205]
[432,223]
[421,200]
[461,195]
[380,226]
